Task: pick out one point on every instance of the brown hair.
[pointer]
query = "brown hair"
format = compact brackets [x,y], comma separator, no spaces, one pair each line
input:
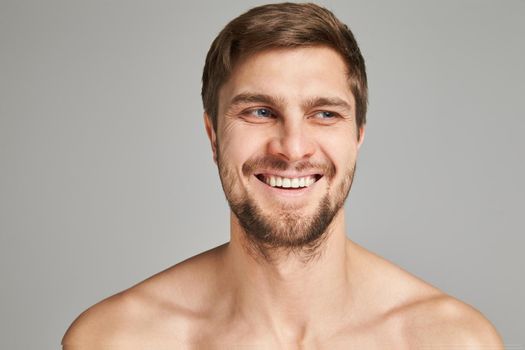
[286,25]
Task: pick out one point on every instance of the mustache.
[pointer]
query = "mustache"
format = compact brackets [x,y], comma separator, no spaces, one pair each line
[270,162]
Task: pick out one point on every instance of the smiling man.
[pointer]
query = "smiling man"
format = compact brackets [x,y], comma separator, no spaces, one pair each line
[285,96]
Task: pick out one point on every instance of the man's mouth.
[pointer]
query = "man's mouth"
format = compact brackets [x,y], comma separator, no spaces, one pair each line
[288,182]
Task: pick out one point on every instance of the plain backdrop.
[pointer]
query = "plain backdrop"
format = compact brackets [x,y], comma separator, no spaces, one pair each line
[107,176]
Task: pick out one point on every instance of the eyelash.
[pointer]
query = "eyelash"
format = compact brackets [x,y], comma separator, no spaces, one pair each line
[250,112]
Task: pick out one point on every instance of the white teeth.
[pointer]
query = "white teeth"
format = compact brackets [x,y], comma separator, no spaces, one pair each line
[285,182]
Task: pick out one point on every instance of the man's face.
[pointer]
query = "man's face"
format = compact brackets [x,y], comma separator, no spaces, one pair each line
[286,143]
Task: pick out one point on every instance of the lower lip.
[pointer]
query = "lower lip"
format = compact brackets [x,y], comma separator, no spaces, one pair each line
[290,192]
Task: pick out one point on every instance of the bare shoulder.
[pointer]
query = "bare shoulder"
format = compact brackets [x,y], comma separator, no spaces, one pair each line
[445,322]
[158,312]
[421,315]
[102,325]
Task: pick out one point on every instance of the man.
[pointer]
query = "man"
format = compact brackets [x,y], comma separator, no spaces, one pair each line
[285,97]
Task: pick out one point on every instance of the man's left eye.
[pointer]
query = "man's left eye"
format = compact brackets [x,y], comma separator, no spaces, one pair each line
[326,115]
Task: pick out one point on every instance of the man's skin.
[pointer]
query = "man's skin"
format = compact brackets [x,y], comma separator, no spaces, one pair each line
[342,297]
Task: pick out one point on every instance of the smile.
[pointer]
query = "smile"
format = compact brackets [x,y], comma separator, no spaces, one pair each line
[288,182]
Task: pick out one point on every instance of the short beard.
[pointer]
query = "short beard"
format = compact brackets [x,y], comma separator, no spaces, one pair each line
[288,232]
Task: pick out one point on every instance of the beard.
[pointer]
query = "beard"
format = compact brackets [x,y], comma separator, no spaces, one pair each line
[285,229]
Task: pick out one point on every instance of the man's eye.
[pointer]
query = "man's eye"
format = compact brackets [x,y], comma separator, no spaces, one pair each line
[326,115]
[261,112]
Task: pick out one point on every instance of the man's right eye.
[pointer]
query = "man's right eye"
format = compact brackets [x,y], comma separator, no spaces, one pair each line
[260,112]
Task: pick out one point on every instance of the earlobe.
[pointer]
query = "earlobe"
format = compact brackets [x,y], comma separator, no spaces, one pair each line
[210,131]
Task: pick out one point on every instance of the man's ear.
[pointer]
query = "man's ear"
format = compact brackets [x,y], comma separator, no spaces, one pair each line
[361,136]
[211,135]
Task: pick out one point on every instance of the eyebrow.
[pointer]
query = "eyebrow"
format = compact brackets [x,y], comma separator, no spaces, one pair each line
[245,98]
[310,103]
[316,102]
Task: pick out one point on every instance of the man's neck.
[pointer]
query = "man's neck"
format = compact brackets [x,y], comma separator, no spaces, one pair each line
[288,294]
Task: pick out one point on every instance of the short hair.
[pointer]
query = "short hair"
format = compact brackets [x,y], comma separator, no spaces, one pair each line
[285,25]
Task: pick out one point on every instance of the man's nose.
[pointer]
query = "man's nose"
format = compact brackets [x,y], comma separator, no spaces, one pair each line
[292,142]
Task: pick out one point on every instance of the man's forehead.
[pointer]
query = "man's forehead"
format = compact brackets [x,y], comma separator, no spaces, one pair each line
[305,61]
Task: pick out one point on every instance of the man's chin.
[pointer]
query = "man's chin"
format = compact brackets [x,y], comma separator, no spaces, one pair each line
[284,227]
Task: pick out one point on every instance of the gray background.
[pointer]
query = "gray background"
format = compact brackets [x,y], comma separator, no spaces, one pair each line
[107,177]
